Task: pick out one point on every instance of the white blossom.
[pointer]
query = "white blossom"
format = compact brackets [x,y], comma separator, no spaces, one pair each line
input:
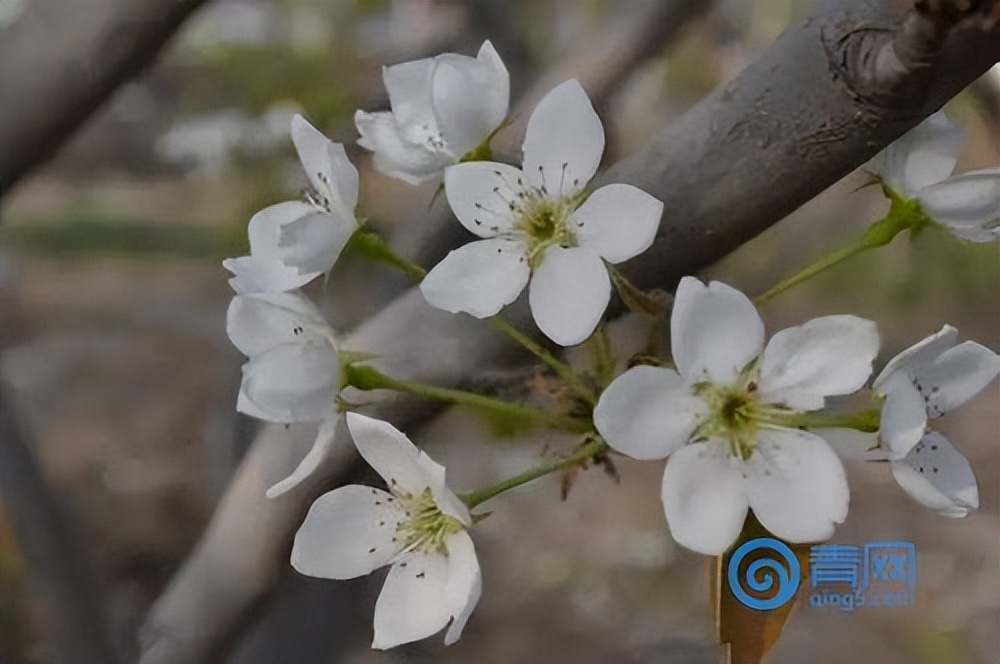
[917,166]
[442,108]
[926,381]
[418,527]
[292,243]
[293,373]
[722,418]
[937,476]
[538,225]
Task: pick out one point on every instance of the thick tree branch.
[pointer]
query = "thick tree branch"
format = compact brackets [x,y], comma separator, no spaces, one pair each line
[61,60]
[750,153]
[47,542]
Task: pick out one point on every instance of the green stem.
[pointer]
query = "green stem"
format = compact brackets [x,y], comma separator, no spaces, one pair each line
[368,378]
[374,247]
[902,215]
[866,421]
[550,360]
[589,450]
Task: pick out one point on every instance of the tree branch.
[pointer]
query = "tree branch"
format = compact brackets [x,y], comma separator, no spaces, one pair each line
[53,553]
[750,153]
[61,60]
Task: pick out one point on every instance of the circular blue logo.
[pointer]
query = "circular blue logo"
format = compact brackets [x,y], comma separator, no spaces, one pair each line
[780,568]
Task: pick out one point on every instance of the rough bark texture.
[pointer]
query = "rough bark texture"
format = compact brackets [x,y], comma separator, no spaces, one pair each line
[48,92]
[831,92]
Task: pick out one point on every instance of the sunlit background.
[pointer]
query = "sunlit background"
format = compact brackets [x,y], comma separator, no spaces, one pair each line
[112,308]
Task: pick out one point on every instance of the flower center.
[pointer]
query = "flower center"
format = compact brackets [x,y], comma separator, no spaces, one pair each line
[426,528]
[545,222]
[734,415]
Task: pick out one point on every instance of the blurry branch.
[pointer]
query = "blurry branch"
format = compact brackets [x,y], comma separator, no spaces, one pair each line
[812,108]
[987,92]
[61,60]
[45,538]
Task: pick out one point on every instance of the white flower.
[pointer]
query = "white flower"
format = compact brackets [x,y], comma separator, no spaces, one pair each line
[917,165]
[534,226]
[926,381]
[442,108]
[293,373]
[937,476]
[418,527]
[722,416]
[294,242]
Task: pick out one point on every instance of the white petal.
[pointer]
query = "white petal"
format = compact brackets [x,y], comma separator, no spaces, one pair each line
[796,485]
[648,413]
[827,356]
[265,227]
[568,294]
[470,97]
[258,322]
[313,243]
[969,204]
[409,88]
[937,476]
[465,583]
[715,331]
[618,221]
[481,194]
[957,375]
[915,358]
[327,166]
[924,155]
[904,417]
[564,141]
[312,460]
[293,382]
[392,455]
[704,497]
[253,274]
[394,156]
[414,600]
[347,533]
[480,278]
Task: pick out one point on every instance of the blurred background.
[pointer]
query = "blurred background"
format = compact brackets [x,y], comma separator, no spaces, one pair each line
[112,327]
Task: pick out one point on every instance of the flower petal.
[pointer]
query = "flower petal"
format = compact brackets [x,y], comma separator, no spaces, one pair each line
[796,485]
[563,142]
[292,382]
[464,585]
[410,96]
[904,417]
[258,322]
[480,278]
[968,204]
[414,600]
[347,533]
[937,476]
[265,227]
[312,460]
[481,194]
[470,97]
[715,331]
[392,455]
[957,375]
[395,156]
[648,413]
[327,166]
[618,221]
[568,294]
[924,155]
[915,358]
[703,497]
[313,243]
[824,357]
[254,274]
